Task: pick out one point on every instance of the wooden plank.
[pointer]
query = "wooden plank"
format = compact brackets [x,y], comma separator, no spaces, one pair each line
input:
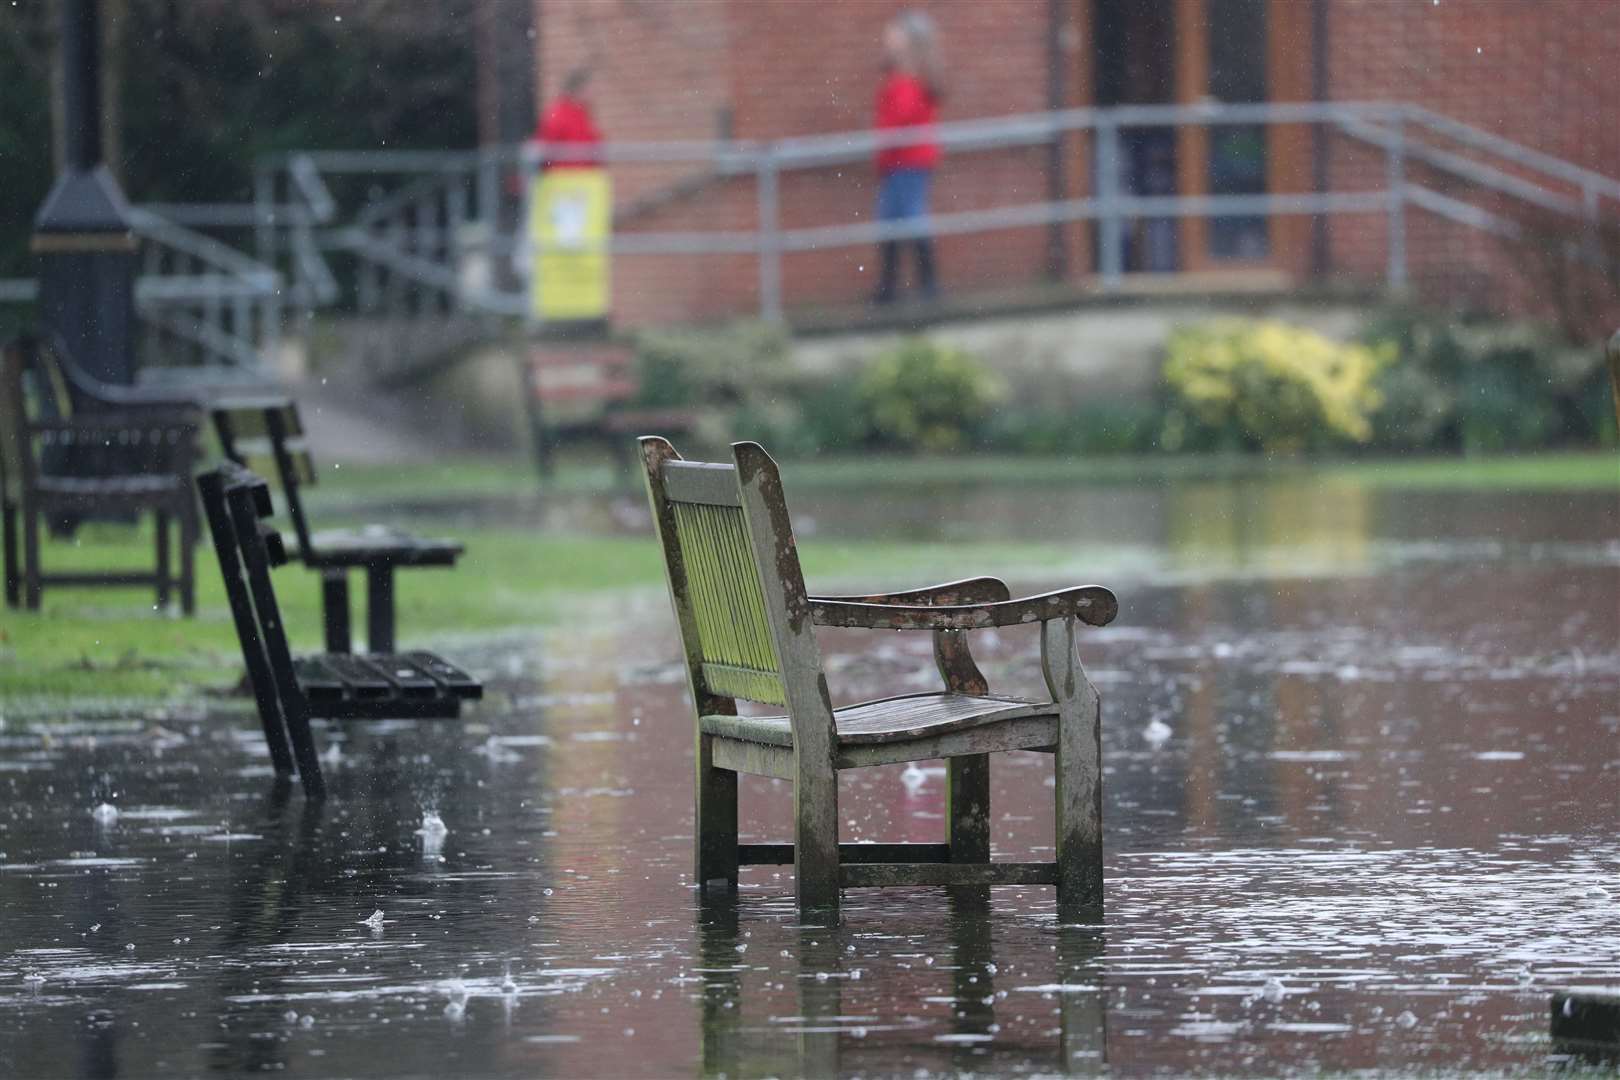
[700,482]
[360,681]
[408,678]
[85,578]
[318,683]
[877,875]
[457,682]
[782,854]
[1026,733]
[753,758]
[815,738]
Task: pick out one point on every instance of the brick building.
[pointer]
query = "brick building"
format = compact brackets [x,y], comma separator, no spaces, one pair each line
[1530,71]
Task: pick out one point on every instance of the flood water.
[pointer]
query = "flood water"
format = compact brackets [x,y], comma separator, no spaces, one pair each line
[1362,806]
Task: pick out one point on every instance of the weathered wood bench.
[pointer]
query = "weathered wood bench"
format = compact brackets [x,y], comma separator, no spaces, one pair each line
[584,391]
[747,625]
[268,434]
[291,692]
[66,454]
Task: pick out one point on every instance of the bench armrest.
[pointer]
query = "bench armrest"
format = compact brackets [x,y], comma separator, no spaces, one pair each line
[1091,604]
[977,590]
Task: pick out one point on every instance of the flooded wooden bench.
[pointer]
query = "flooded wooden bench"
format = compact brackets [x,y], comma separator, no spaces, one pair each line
[140,452]
[292,691]
[747,625]
[585,391]
[268,434]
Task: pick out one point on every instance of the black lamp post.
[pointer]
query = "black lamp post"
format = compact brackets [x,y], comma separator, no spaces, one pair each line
[82,231]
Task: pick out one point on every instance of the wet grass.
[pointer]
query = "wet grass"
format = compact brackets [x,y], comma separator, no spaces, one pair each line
[91,647]
[490,478]
[111,645]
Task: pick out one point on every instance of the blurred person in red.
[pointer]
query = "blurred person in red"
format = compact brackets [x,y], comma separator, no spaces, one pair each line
[567,120]
[908,99]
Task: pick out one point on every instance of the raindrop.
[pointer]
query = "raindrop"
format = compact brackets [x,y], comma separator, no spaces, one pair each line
[375,921]
[105,814]
[1157,733]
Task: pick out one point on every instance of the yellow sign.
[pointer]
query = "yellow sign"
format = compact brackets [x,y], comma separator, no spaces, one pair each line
[570,220]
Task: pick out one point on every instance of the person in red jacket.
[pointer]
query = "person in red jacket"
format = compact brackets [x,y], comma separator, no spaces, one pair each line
[568,120]
[908,99]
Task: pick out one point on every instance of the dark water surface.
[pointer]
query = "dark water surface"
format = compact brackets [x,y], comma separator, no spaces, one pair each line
[1362,809]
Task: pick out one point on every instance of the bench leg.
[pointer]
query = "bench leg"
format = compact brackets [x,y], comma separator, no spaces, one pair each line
[8,525]
[716,821]
[967,816]
[1078,767]
[815,842]
[335,605]
[188,559]
[380,609]
[303,745]
[32,586]
[160,531]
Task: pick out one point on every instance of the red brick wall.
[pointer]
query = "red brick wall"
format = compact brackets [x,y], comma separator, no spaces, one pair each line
[1530,70]
[1538,72]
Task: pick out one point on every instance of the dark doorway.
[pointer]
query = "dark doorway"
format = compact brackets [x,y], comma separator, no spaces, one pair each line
[1135,64]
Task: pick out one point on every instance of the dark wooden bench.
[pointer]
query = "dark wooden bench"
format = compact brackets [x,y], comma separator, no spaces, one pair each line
[291,692]
[66,454]
[584,391]
[268,434]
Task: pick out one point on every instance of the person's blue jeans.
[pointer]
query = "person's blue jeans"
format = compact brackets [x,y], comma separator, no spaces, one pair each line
[903,196]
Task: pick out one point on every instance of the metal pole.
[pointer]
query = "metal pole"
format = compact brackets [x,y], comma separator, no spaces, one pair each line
[1395,169]
[81,85]
[1110,225]
[767,171]
[264,223]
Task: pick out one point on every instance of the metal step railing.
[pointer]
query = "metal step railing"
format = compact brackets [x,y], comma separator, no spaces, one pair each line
[436,239]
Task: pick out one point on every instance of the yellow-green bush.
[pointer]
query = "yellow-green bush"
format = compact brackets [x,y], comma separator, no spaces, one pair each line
[1267,385]
[921,395]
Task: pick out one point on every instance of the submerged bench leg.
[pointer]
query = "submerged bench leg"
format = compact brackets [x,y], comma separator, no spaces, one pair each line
[8,513]
[335,604]
[161,529]
[380,609]
[188,561]
[967,817]
[32,586]
[716,815]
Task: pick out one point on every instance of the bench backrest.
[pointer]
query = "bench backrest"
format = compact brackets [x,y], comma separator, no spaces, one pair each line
[236,502]
[572,381]
[262,436]
[33,386]
[736,585]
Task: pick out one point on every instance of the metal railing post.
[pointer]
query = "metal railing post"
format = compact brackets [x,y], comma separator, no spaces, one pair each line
[767,174]
[1395,173]
[264,211]
[1110,224]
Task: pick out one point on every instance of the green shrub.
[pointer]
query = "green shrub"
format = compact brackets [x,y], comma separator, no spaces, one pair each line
[1246,384]
[1104,427]
[924,396]
[729,365]
[1479,385]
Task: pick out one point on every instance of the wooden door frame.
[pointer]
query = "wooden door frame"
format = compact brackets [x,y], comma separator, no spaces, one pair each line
[1288,146]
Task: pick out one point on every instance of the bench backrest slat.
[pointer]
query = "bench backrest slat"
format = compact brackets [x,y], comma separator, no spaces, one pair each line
[262,436]
[737,588]
[215,488]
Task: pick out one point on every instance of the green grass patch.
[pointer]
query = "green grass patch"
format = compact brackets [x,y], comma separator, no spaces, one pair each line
[461,480]
[104,644]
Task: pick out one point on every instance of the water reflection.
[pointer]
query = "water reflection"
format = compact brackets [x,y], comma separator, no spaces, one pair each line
[1359,817]
[822,1006]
